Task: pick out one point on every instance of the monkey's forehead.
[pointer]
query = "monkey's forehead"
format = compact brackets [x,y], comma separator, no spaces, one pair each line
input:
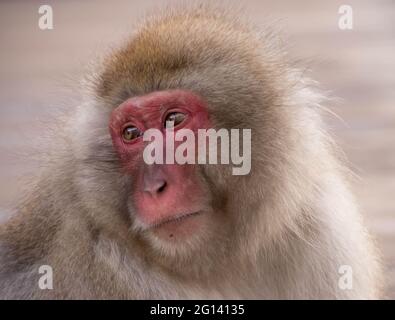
[167,48]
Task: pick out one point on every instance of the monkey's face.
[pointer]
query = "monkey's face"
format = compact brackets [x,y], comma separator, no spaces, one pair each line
[170,203]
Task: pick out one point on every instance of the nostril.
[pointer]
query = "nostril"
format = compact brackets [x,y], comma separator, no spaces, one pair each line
[155,187]
[162,187]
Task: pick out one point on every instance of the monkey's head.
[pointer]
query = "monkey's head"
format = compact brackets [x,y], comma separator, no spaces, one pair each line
[200,71]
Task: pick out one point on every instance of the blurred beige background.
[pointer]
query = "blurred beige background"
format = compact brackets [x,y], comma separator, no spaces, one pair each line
[38,69]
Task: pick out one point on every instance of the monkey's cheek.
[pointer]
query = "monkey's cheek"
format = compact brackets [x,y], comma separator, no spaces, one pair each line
[181,230]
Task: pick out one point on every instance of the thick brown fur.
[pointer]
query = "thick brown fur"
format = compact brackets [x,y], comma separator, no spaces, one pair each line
[282,231]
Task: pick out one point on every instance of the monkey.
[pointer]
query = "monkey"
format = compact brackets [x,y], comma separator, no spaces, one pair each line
[111,226]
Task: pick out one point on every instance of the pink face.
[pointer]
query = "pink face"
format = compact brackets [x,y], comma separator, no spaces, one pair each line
[162,194]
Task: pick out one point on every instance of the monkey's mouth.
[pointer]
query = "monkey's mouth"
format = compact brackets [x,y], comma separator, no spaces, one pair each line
[178,227]
[174,220]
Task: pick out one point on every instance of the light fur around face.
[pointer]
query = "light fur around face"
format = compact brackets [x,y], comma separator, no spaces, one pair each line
[283,231]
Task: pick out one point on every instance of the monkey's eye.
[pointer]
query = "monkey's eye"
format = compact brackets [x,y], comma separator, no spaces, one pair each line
[130,133]
[175,118]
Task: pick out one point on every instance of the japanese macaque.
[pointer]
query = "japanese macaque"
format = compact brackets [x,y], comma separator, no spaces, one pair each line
[110,225]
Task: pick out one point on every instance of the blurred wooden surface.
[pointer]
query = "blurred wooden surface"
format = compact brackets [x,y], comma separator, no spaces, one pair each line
[38,68]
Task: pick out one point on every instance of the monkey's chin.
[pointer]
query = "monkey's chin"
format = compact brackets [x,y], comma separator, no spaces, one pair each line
[178,236]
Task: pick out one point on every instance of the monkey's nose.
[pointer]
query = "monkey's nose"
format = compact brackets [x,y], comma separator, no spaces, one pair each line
[155,187]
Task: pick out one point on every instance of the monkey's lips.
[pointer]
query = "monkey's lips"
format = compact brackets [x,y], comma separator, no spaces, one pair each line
[174,219]
[177,226]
